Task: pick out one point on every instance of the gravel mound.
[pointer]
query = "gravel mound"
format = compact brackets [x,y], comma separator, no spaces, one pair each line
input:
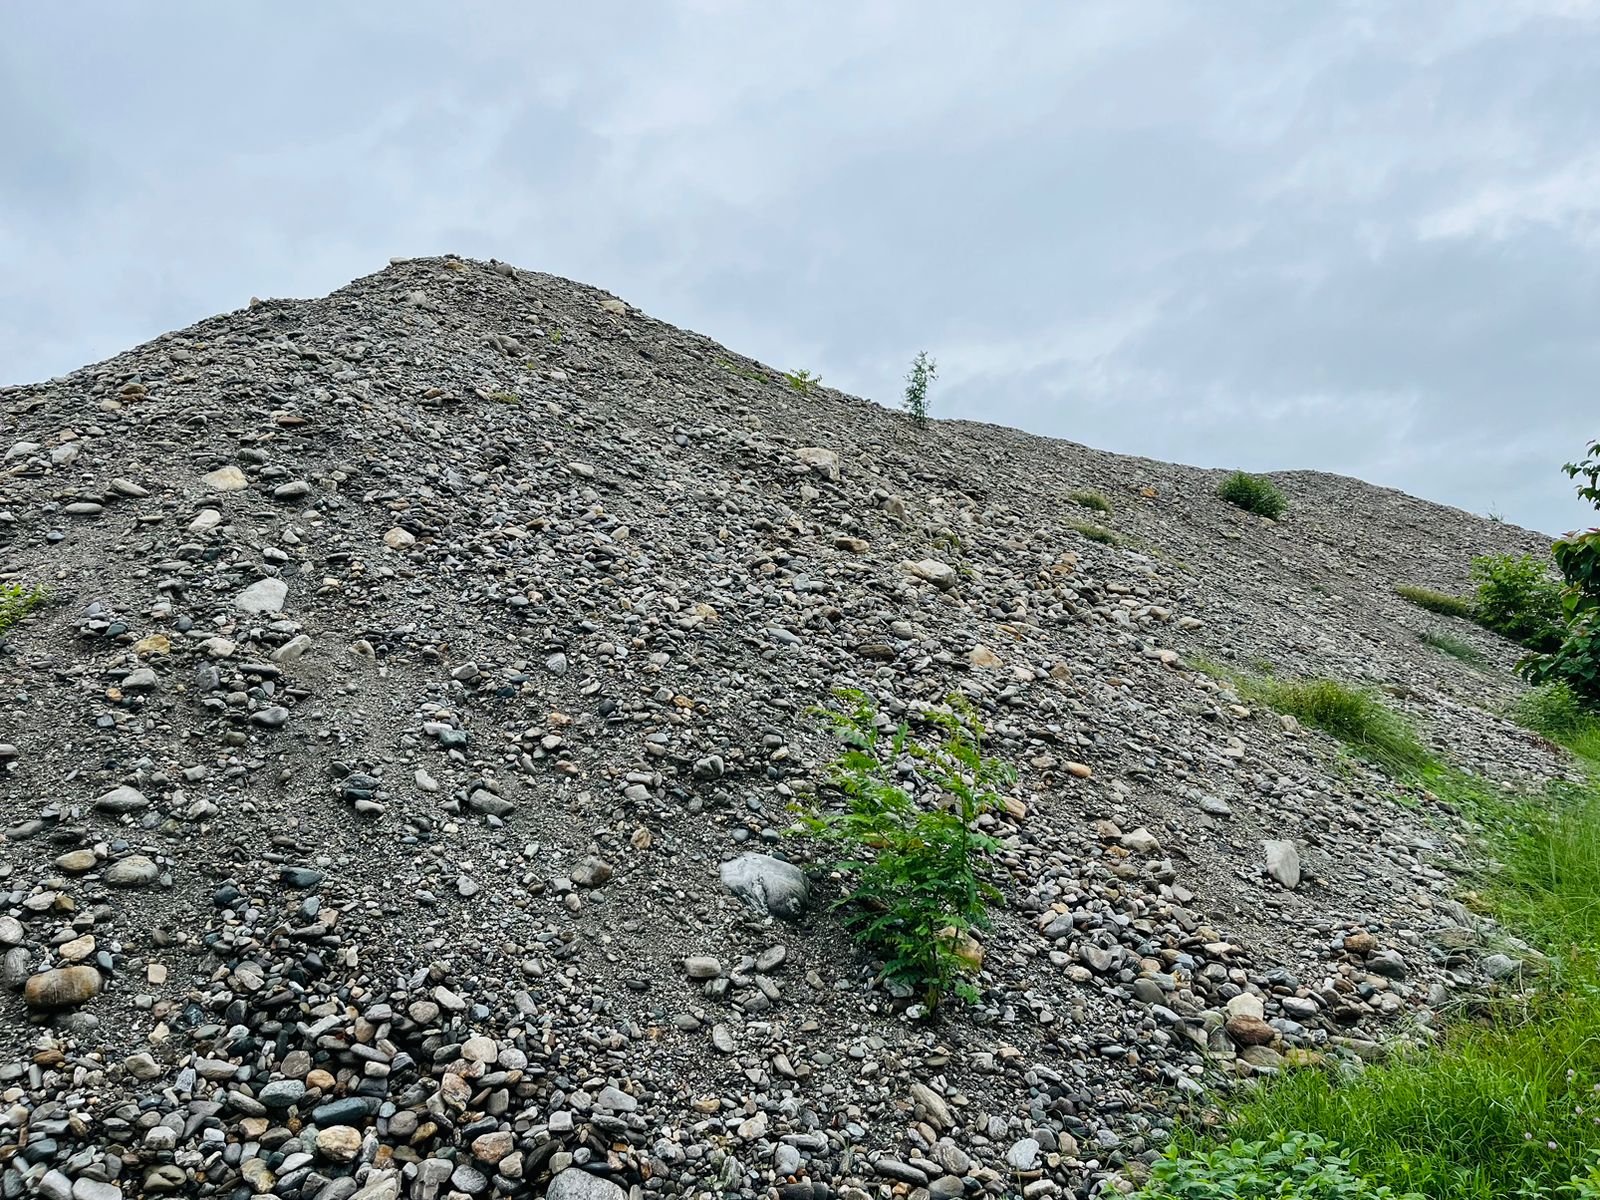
[395,788]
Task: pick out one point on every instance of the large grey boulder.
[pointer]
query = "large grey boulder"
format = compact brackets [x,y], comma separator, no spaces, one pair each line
[767,884]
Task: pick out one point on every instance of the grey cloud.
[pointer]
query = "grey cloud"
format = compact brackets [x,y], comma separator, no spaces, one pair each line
[1347,236]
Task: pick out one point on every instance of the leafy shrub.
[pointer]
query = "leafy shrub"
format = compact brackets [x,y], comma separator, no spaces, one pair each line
[1356,716]
[1518,599]
[1296,1166]
[1455,647]
[924,371]
[1091,500]
[17,601]
[917,860]
[802,381]
[1442,603]
[1254,493]
[1577,659]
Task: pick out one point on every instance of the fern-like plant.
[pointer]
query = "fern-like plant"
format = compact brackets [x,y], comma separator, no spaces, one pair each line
[924,371]
[915,857]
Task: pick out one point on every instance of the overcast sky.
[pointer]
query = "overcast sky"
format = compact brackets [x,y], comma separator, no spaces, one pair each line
[1362,238]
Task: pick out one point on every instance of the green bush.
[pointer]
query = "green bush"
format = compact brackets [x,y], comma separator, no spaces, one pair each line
[1356,716]
[1442,603]
[1091,500]
[1518,599]
[1254,493]
[1295,1166]
[17,601]
[917,860]
[802,381]
[924,371]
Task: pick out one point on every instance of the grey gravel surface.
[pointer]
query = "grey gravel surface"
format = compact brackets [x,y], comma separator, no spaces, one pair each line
[395,787]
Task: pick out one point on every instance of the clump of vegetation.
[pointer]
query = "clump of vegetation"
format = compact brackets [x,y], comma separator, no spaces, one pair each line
[1255,494]
[1576,659]
[1518,599]
[1447,643]
[17,600]
[1442,603]
[1555,711]
[1095,533]
[1296,1166]
[1356,716]
[915,856]
[924,371]
[1091,500]
[802,381]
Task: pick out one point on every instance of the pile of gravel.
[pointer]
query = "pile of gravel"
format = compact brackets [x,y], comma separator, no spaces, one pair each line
[396,788]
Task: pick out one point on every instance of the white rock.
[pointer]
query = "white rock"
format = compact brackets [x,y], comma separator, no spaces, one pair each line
[1283,862]
[225,479]
[767,884]
[263,596]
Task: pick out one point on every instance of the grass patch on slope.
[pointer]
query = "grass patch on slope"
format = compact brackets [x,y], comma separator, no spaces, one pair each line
[1554,711]
[1442,603]
[1356,716]
[1457,648]
[16,602]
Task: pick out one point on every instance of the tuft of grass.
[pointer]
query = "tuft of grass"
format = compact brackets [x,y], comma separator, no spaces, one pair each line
[17,600]
[1447,643]
[1091,500]
[1095,533]
[1556,712]
[1356,716]
[1442,603]
[1254,493]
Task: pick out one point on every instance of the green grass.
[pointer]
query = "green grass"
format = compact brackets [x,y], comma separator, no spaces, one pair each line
[16,602]
[1356,716]
[1254,493]
[1091,500]
[1095,533]
[1555,712]
[1442,603]
[1447,643]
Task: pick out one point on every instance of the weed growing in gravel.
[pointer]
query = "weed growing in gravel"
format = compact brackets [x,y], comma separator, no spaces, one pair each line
[924,371]
[1356,716]
[1091,500]
[1254,493]
[917,859]
[17,600]
[1095,533]
[1447,643]
[802,381]
[1442,603]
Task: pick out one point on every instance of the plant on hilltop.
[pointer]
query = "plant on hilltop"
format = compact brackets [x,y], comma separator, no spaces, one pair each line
[802,381]
[17,601]
[1254,493]
[1576,659]
[916,857]
[1518,599]
[924,371]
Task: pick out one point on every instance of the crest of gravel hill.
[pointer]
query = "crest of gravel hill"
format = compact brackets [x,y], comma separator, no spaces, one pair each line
[427,667]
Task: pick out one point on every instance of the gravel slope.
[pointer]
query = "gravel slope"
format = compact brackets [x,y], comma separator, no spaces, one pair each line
[419,655]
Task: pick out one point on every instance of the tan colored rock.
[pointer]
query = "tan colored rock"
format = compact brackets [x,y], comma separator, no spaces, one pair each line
[63,987]
[225,479]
